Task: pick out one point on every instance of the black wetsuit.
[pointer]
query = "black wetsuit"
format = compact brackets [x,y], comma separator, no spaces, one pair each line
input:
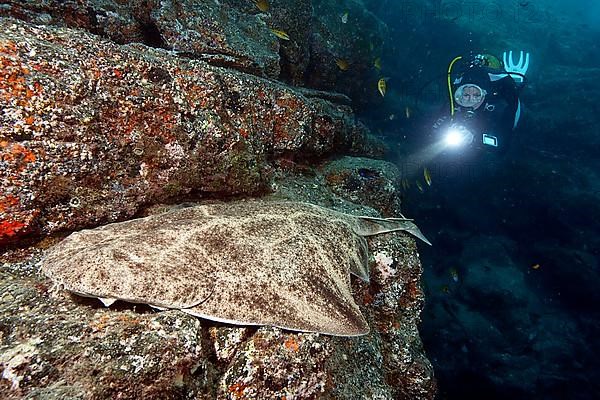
[497,114]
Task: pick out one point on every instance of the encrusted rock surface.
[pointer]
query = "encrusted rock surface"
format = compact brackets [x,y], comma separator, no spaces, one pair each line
[226,33]
[238,34]
[92,130]
[53,345]
[375,183]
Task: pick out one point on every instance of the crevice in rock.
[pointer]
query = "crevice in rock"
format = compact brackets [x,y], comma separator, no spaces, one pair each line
[224,60]
[152,36]
[285,74]
[333,97]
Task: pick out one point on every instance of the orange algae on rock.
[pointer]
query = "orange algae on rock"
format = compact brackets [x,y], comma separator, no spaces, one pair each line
[291,344]
[15,152]
[7,202]
[237,390]
[10,228]
[13,84]
[13,222]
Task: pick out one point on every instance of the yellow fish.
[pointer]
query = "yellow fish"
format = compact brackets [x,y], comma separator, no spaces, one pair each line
[381,86]
[419,186]
[263,5]
[427,176]
[377,63]
[280,34]
[342,64]
[345,17]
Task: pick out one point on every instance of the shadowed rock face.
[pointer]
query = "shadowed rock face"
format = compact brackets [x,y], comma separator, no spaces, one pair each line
[284,264]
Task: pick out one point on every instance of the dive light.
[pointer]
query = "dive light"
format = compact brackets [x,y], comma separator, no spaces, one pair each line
[458,136]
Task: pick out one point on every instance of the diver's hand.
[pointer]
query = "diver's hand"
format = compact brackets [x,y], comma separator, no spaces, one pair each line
[518,70]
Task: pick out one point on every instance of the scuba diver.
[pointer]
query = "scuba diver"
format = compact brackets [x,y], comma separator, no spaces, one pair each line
[484,102]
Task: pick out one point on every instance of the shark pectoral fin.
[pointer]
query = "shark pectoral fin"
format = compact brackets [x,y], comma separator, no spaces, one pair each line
[359,263]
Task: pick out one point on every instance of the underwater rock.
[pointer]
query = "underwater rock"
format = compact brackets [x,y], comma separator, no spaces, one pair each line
[342,55]
[560,136]
[236,34]
[93,130]
[221,34]
[54,345]
[111,19]
[366,181]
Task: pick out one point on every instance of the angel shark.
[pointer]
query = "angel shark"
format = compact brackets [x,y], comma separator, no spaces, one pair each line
[278,263]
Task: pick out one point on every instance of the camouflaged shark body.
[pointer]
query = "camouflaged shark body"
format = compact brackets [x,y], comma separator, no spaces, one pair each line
[277,263]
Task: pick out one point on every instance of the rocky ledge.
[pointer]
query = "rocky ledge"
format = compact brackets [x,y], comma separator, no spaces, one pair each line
[92,130]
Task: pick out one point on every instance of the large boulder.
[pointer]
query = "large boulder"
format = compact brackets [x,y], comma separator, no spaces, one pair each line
[92,130]
[367,181]
[227,34]
[238,34]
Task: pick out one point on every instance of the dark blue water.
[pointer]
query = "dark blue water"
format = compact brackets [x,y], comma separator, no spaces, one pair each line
[512,279]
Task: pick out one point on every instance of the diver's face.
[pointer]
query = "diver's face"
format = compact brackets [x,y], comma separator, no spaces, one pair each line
[471,97]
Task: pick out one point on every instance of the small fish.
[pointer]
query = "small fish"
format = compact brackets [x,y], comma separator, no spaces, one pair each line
[377,63]
[392,117]
[368,174]
[280,34]
[427,176]
[381,86]
[405,184]
[342,64]
[536,266]
[454,274]
[419,186]
[407,112]
[263,5]
[445,289]
[344,17]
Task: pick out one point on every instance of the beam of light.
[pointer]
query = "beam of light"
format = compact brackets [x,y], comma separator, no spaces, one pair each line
[428,154]
[454,138]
